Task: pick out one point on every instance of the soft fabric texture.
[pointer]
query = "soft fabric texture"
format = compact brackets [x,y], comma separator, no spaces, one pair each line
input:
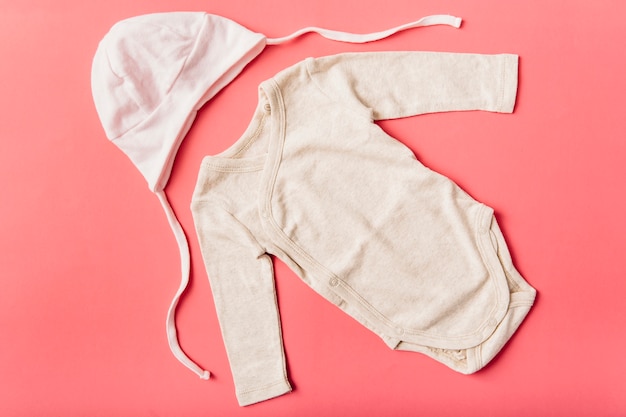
[400,248]
[150,76]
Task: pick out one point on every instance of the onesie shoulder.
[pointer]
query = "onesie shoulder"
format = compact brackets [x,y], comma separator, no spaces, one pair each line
[332,75]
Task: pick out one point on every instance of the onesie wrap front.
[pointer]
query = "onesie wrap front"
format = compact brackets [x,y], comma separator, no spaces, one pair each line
[397,246]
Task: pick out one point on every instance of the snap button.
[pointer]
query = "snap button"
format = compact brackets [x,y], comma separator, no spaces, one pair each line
[333,282]
[492,322]
[399,331]
[267,107]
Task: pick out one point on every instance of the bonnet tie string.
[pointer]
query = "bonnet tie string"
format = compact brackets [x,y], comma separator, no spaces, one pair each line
[369,37]
[183,247]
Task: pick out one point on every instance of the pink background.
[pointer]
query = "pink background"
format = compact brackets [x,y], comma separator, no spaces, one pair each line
[88,264]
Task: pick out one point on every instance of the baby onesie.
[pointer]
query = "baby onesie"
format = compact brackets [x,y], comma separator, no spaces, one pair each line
[317,183]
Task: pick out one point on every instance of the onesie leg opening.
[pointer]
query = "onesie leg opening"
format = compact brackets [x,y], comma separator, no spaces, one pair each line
[470,360]
[460,360]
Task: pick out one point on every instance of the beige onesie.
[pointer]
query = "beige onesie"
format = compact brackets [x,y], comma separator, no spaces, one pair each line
[315,182]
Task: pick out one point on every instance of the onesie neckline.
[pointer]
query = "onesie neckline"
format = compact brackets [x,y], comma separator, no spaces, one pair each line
[266,114]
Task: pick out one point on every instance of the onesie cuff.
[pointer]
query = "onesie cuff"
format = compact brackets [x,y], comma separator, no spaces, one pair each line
[508,88]
[252,396]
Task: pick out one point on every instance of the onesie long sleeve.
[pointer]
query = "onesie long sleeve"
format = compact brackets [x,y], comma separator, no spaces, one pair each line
[400,248]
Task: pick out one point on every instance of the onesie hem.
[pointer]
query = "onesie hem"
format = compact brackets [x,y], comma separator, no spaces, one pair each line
[509,83]
[267,392]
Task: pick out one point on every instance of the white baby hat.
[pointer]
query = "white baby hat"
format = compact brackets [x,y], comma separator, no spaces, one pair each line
[150,76]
